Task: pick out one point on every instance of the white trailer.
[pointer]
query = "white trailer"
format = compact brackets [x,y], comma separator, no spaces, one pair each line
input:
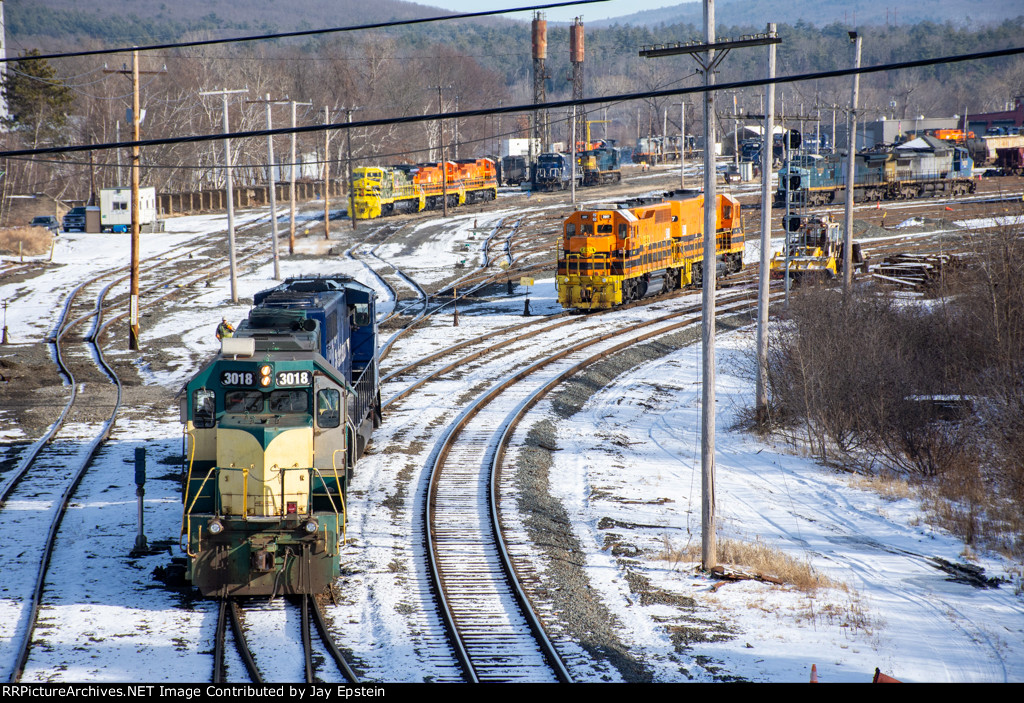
[116,208]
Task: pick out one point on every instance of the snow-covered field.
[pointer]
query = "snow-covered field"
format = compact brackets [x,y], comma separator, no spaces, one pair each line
[631,456]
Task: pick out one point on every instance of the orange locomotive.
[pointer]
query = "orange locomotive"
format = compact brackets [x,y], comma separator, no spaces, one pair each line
[617,253]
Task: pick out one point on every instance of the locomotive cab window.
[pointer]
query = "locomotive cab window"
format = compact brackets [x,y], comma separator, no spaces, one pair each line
[243,402]
[203,408]
[289,401]
[605,229]
[328,407]
[570,229]
[361,318]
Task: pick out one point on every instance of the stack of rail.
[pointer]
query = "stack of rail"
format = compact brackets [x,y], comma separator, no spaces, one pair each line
[917,271]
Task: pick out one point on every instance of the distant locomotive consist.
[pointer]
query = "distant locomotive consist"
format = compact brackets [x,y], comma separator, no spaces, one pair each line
[384,190]
[923,167]
[553,170]
[617,253]
[274,425]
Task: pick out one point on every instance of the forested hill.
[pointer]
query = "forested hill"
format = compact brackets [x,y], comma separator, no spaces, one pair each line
[150,21]
[824,12]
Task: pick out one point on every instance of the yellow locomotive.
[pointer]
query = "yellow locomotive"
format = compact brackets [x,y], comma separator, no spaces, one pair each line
[378,191]
[618,253]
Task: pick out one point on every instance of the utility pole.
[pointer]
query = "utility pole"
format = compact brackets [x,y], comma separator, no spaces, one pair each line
[573,154]
[761,403]
[133,306]
[444,162]
[682,144]
[272,182]
[327,175]
[851,158]
[230,190]
[351,190]
[291,185]
[708,61]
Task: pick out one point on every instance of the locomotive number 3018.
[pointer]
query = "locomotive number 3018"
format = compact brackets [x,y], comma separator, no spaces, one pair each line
[294,378]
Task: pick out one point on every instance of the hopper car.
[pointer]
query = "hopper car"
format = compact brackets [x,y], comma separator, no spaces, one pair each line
[274,426]
[621,252]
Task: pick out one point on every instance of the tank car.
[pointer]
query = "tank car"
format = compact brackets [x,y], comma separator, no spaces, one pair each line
[274,425]
[618,253]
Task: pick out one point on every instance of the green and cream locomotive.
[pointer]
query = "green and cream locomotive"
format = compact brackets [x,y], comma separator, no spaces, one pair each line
[274,425]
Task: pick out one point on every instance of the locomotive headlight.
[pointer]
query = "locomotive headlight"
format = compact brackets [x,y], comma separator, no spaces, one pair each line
[310,525]
[264,381]
[266,370]
[215,526]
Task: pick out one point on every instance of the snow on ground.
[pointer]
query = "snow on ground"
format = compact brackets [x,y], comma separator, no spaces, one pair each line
[631,455]
[900,613]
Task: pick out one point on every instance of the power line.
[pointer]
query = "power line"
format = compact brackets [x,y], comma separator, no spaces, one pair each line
[303,33]
[529,107]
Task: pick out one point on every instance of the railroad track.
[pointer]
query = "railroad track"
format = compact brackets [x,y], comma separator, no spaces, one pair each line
[495,630]
[275,641]
[35,496]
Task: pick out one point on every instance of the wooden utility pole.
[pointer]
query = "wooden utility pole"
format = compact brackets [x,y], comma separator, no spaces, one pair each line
[229,190]
[133,293]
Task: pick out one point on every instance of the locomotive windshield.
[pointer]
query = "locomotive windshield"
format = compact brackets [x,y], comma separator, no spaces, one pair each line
[290,401]
[243,402]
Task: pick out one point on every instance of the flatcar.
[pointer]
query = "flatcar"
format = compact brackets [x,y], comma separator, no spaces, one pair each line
[622,252]
[274,425]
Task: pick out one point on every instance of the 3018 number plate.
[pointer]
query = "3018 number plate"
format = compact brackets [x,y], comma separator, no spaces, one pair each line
[294,378]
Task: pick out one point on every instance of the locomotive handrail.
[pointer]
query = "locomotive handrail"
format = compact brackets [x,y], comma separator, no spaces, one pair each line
[337,525]
[187,523]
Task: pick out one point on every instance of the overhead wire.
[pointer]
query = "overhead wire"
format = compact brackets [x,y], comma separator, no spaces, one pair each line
[530,107]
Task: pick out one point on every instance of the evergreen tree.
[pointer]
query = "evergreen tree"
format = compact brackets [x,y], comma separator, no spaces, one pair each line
[37,99]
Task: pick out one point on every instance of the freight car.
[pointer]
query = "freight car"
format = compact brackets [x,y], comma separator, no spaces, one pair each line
[274,425]
[514,170]
[923,167]
[1010,161]
[617,253]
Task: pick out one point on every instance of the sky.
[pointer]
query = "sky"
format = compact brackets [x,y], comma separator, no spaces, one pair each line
[597,11]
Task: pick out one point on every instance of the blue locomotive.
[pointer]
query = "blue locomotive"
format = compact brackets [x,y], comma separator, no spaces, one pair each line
[274,425]
[553,171]
[922,167]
